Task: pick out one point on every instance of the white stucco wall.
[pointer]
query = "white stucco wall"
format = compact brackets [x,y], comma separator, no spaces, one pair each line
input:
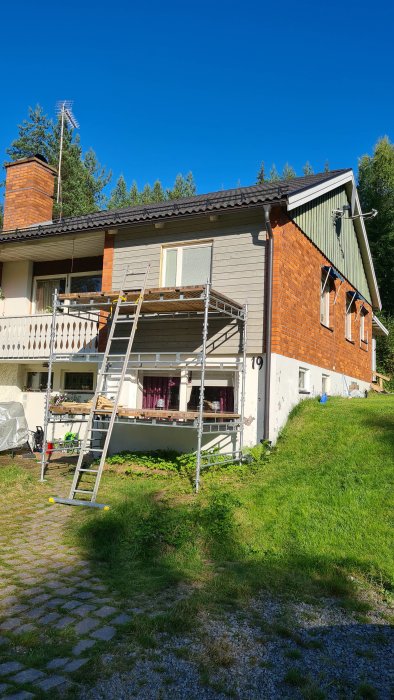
[285,393]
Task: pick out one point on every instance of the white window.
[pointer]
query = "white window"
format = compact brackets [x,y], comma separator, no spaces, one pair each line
[325,299]
[303,380]
[363,336]
[325,382]
[186,265]
[349,316]
[44,287]
[37,381]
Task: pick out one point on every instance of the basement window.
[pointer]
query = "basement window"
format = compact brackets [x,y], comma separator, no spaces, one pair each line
[303,380]
[78,381]
[37,381]
[325,383]
[186,265]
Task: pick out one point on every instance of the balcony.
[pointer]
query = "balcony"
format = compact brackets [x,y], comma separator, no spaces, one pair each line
[28,337]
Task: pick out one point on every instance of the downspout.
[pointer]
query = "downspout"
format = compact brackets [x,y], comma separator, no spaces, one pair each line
[268,318]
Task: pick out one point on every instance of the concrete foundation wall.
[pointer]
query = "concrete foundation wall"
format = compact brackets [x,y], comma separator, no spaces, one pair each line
[285,393]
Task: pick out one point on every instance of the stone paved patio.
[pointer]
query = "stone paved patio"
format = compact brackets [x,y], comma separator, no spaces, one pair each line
[49,600]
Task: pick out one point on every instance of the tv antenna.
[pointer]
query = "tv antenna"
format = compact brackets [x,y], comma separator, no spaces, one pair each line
[65,114]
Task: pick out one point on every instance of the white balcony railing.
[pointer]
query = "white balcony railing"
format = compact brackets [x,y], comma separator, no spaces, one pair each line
[28,337]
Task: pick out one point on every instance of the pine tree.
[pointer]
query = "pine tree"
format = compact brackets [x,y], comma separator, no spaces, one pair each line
[288,172]
[376,189]
[34,136]
[326,167]
[158,194]
[134,197]
[274,175]
[119,195]
[83,178]
[261,174]
[307,169]
[183,187]
[146,195]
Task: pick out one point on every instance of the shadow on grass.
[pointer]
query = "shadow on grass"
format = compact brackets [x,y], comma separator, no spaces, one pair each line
[148,545]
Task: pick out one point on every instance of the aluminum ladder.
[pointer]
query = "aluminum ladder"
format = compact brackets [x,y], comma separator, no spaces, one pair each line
[89,491]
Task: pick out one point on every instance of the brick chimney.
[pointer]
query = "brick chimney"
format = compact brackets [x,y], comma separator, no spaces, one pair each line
[28,193]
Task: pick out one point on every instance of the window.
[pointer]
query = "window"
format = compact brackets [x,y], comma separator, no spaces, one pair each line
[186,265]
[160,392]
[218,399]
[303,380]
[349,315]
[73,283]
[45,289]
[37,381]
[325,379]
[325,299]
[363,335]
[78,381]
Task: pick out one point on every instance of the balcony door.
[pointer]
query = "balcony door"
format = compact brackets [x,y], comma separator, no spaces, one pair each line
[44,288]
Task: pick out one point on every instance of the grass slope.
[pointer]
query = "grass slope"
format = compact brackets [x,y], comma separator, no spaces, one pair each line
[307,520]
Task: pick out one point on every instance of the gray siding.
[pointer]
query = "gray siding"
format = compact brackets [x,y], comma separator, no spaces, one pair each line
[237,271]
[337,241]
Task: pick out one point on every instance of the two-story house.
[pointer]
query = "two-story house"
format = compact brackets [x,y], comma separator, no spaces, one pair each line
[293,256]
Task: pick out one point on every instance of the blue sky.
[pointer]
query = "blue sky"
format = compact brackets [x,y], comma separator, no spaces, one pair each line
[213,87]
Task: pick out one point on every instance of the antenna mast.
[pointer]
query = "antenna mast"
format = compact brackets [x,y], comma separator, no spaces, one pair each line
[65,113]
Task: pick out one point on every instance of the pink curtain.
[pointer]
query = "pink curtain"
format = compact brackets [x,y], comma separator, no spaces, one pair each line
[226,398]
[155,388]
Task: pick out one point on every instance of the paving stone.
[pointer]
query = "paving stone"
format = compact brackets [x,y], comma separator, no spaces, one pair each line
[40,598]
[71,604]
[83,645]
[35,614]
[27,627]
[105,611]
[16,609]
[84,610]
[66,591]
[75,665]
[11,623]
[64,622]
[9,600]
[86,625]
[47,619]
[57,663]
[10,667]
[85,595]
[104,633]
[54,603]
[51,682]
[3,687]
[121,619]
[29,675]
[22,695]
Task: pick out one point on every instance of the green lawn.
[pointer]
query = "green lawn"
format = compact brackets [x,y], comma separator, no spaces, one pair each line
[312,518]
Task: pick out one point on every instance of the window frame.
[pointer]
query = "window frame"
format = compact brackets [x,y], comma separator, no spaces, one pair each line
[77,391]
[363,334]
[325,379]
[67,277]
[325,291]
[179,247]
[305,388]
[349,311]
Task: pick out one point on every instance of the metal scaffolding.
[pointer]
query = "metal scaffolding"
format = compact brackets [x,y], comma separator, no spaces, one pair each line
[171,304]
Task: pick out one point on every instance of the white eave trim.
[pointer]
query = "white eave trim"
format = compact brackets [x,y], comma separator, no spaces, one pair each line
[300,198]
[378,326]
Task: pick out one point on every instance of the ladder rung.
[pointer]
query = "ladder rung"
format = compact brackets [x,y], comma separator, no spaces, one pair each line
[116,337]
[81,491]
[98,430]
[91,471]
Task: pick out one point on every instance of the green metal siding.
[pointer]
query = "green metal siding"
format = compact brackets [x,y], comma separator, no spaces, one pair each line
[337,242]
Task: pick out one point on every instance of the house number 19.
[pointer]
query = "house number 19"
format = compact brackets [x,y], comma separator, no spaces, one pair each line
[257,362]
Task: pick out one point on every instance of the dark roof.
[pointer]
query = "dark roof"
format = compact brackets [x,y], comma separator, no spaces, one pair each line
[238,198]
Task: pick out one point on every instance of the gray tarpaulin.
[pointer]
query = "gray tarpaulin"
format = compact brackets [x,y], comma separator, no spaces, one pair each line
[13,426]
